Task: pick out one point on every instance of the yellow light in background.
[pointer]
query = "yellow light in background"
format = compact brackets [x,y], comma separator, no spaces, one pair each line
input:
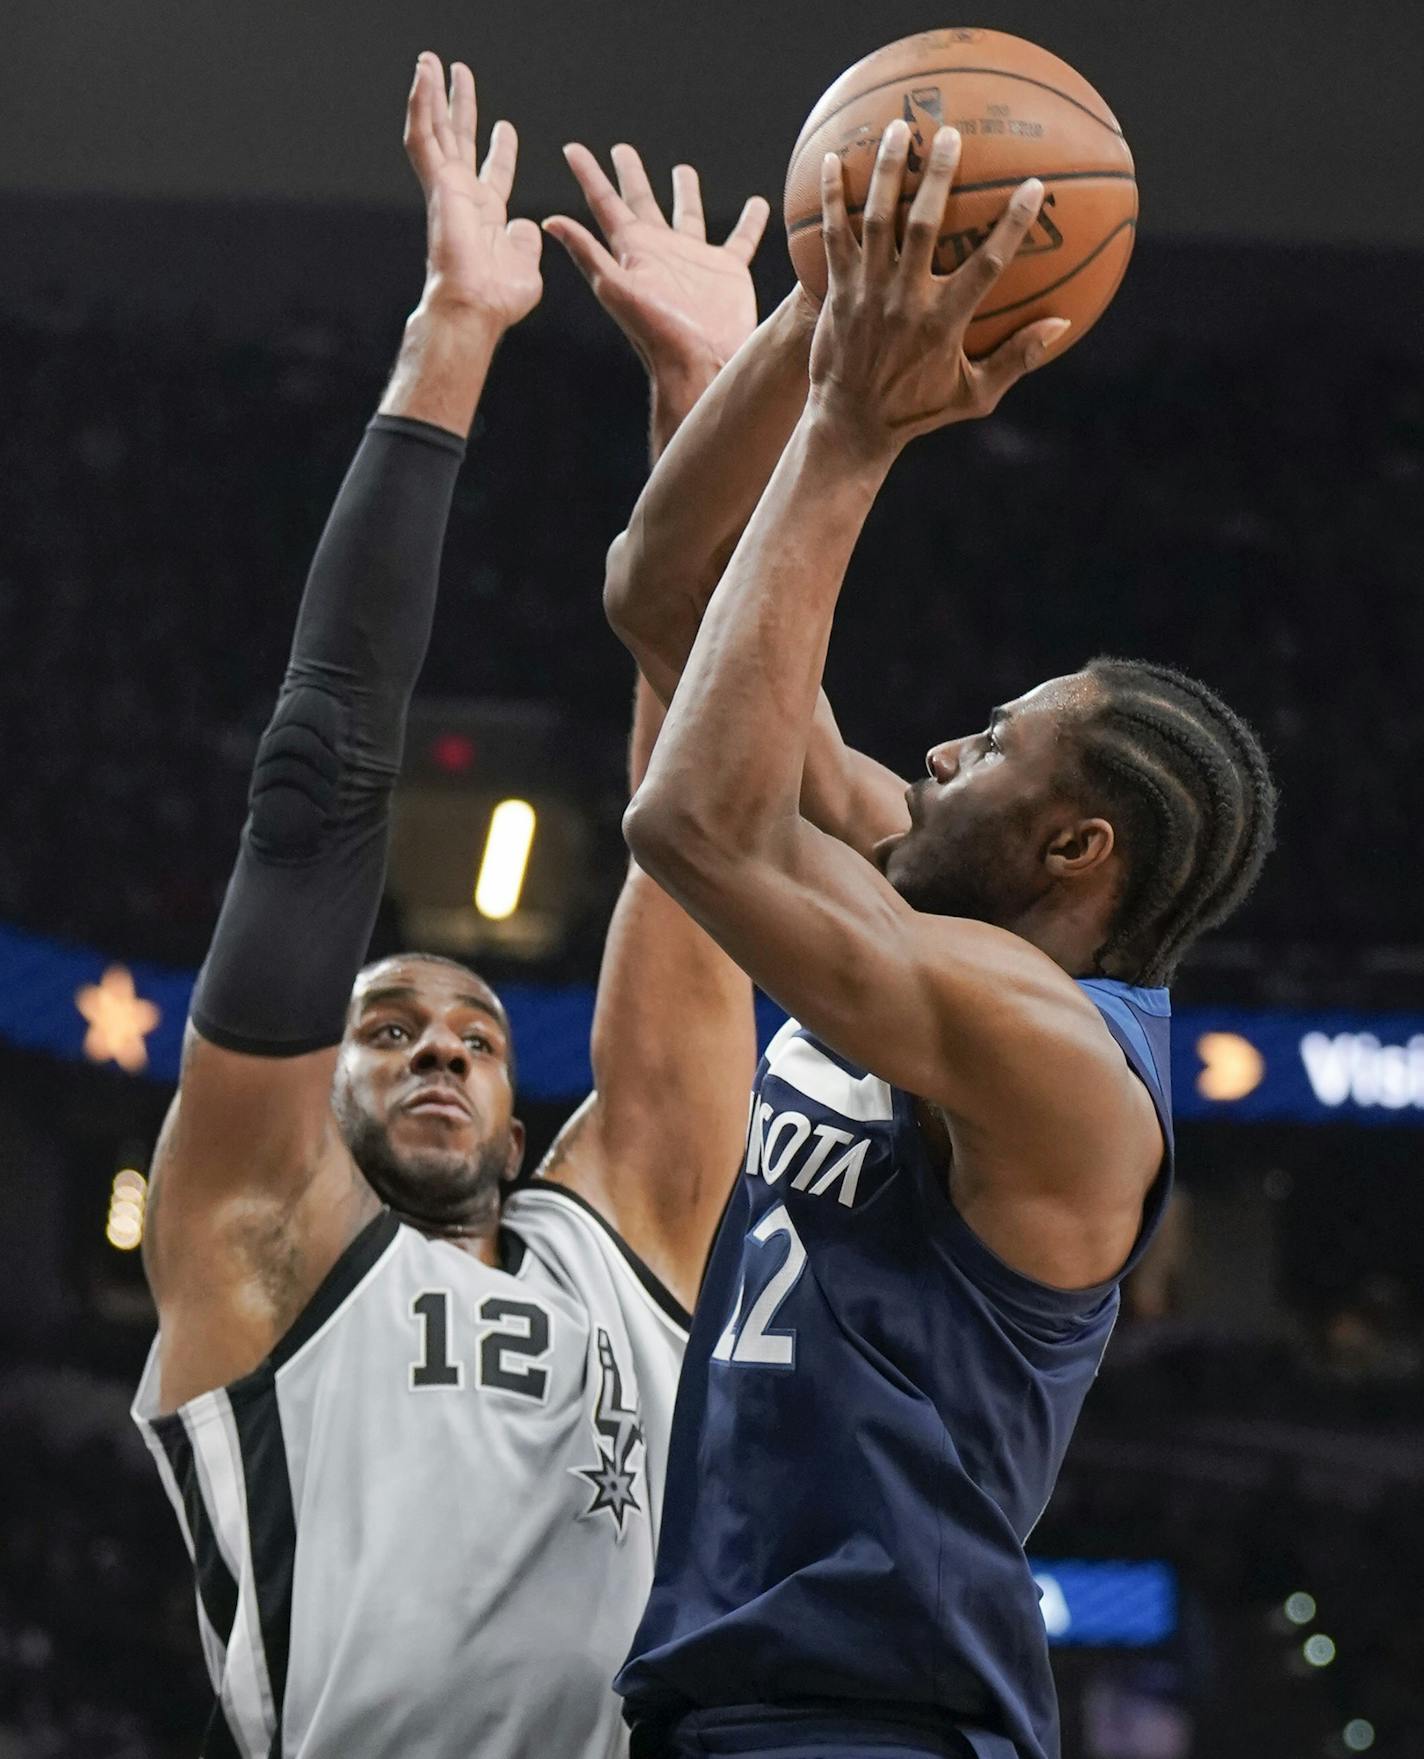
[119,1020]
[505,860]
[128,1202]
[1232,1067]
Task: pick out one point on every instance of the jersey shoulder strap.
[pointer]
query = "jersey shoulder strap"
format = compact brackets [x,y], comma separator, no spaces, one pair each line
[537,1211]
[1140,1020]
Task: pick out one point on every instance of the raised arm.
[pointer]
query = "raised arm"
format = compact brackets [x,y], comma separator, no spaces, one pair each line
[255,1194]
[979,1023]
[662,570]
[657,1144]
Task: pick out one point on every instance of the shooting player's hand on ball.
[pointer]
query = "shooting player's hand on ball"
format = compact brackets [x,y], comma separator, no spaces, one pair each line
[684,303]
[478,259]
[888,359]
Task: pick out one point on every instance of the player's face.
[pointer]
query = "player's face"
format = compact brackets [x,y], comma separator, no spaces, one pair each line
[983,818]
[423,1093]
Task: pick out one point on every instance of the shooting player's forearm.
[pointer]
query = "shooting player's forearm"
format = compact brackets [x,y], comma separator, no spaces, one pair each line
[752,685]
[663,570]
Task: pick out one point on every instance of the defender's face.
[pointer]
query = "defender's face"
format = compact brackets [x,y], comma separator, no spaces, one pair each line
[423,1090]
[982,818]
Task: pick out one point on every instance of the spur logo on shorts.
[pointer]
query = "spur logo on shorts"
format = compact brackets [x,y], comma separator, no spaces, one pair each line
[618,1431]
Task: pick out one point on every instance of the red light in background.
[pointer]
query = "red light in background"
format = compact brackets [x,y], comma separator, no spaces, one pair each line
[453,752]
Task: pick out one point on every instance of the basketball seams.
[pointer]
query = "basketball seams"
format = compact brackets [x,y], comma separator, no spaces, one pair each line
[1127,225]
[1048,178]
[999,311]
[918,76]
[1097,204]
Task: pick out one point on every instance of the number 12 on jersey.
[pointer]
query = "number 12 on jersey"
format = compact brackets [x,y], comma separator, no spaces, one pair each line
[515,1339]
[752,1341]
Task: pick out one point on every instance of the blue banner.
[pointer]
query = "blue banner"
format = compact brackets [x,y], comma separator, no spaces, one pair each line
[1307,1068]
[1230,1063]
[1106,1604]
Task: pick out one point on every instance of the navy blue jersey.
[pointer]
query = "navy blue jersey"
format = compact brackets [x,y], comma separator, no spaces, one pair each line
[872,1414]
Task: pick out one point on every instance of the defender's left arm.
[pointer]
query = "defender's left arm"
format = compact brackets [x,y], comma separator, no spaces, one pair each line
[974,1020]
[656,1145]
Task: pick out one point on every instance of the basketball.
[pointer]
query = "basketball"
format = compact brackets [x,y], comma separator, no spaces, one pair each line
[1020,112]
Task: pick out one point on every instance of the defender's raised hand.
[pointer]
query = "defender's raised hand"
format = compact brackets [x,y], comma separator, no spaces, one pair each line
[683,302]
[477,257]
[888,358]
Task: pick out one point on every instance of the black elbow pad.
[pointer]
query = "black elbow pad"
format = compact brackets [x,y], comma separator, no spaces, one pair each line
[296,779]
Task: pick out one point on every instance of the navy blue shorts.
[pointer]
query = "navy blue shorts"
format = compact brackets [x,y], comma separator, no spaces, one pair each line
[764,1731]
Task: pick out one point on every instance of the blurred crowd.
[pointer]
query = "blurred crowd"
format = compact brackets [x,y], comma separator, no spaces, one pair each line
[1214,507]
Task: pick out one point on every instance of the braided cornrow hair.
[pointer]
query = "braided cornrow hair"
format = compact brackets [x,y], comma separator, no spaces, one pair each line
[1189,792]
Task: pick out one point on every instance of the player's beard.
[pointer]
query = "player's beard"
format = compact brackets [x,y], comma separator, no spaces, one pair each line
[972,876]
[966,889]
[436,1186]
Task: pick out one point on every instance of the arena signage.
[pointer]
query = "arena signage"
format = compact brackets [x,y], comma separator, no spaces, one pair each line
[1230,1064]
[1106,1604]
[1299,1067]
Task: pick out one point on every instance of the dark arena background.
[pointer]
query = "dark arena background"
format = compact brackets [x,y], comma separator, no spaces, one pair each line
[208,241]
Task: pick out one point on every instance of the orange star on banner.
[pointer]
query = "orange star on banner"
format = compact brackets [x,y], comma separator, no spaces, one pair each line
[119,1020]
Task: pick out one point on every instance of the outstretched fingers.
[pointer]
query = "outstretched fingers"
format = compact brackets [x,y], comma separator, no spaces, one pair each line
[421,144]
[746,235]
[926,220]
[634,185]
[687,215]
[882,199]
[501,160]
[526,238]
[1023,352]
[440,123]
[591,259]
[842,252]
[463,111]
[604,201]
[1000,248]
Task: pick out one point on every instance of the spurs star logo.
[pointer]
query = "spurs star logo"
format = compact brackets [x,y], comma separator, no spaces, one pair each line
[619,1433]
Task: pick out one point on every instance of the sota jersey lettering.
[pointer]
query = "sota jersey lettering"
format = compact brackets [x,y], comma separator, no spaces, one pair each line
[426,1524]
[872,1415]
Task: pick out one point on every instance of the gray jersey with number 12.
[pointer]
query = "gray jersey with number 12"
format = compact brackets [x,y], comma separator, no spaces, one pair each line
[426,1524]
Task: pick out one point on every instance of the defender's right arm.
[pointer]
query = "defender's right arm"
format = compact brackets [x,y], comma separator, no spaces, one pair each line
[663,569]
[255,1195]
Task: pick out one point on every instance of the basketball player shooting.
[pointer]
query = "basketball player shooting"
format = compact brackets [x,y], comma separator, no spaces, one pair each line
[414,1427]
[962,1139]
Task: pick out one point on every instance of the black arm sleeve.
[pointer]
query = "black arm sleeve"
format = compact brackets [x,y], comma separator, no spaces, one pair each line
[302,901]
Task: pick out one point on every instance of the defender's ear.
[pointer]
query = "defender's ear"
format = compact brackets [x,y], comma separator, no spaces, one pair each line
[516,1151]
[1080,849]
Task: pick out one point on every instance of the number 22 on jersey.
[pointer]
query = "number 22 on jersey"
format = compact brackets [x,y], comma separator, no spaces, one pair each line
[752,1341]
